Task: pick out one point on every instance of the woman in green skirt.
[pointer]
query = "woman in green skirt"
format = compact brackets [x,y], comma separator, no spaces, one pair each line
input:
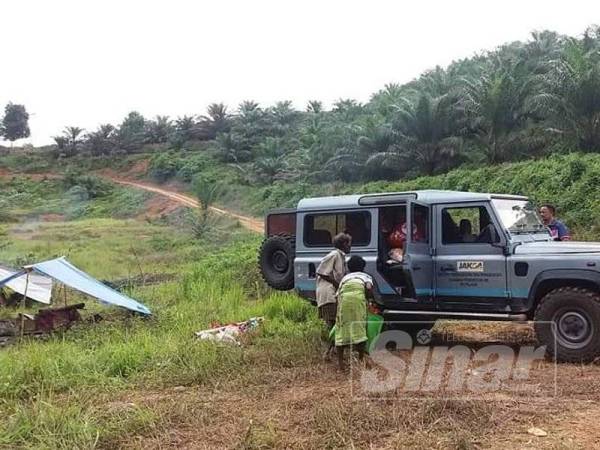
[355,290]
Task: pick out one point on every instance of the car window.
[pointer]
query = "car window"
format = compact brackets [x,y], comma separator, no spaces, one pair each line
[420,223]
[320,229]
[468,225]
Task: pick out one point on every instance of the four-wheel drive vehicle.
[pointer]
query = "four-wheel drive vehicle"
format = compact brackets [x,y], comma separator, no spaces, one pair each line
[466,256]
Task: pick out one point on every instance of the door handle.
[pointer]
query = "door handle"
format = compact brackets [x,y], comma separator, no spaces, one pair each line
[447,268]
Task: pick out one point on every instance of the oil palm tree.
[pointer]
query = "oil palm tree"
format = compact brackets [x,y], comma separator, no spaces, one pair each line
[284,117]
[159,129]
[73,140]
[497,107]
[216,121]
[571,99]
[102,141]
[426,134]
[248,108]
[314,106]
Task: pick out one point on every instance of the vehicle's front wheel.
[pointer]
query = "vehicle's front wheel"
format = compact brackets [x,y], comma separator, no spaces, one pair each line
[567,322]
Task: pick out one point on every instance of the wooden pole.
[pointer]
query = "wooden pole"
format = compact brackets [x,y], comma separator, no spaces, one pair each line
[23,305]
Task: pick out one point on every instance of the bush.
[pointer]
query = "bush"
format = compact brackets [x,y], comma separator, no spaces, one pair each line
[192,166]
[94,186]
[164,166]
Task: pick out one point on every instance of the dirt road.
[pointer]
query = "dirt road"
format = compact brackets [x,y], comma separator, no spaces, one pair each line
[250,223]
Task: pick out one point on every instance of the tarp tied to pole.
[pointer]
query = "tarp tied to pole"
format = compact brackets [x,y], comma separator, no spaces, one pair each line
[38,289]
[62,270]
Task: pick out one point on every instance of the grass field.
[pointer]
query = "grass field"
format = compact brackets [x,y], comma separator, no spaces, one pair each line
[49,390]
[129,382]
[53,393]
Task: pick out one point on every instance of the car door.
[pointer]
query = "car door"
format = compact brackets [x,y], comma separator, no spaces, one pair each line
[469,262]
[418,257]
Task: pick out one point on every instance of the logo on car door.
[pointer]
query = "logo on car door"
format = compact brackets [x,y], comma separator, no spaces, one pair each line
[469,266]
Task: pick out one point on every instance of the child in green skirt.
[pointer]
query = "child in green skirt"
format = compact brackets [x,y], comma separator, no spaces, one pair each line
[355,290]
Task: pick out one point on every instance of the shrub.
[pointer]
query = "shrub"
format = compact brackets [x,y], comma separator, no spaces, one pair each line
[164,166]
[192,166]
[94,186]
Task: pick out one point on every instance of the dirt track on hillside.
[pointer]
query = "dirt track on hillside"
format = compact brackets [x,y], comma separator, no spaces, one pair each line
[247,222]
[250,223]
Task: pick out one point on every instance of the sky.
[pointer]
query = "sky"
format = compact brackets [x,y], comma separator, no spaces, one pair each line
[87,62]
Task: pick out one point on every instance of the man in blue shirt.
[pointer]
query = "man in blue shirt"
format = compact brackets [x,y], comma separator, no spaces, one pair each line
[558,230]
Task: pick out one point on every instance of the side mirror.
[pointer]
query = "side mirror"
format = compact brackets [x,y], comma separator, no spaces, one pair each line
[505,248]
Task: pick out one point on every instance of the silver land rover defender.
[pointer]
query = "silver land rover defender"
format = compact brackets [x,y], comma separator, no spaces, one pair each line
[464,256]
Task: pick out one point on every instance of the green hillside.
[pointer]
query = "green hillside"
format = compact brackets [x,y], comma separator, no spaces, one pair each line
[519,101]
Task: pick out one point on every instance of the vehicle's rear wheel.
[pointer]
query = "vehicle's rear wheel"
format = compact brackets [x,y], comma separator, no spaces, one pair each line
[567,322]
[276,261]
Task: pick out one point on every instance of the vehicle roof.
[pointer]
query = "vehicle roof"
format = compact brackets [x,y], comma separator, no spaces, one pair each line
[424,196]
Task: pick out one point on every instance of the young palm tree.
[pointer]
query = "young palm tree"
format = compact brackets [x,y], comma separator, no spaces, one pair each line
[159,129]
[270,168]
[101,141]
[184,127]
[217,112]
[73,141]
[314,106]
[229,148]
[72,134]
[572,96]
[497,109]
[61,143]
[379,151]
[248,108]
[347,109]
[427,134]
[437,82]
[217,121]
[284,117]
[347,164]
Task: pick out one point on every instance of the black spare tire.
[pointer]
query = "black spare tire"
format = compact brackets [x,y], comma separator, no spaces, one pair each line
[276,261]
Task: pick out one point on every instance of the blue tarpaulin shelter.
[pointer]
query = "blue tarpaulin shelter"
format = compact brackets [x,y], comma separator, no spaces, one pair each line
[62,270]
[38,287]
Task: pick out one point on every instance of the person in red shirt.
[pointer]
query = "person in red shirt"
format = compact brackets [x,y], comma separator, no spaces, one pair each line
[396,238]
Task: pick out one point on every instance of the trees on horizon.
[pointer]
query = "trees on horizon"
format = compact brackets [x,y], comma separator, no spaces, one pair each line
[521,100]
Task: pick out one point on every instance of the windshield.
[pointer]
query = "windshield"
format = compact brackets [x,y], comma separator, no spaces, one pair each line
[519,216]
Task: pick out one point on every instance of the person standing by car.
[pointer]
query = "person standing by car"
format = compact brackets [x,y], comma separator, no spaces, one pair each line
[354,293]
[558,230]
[330,272]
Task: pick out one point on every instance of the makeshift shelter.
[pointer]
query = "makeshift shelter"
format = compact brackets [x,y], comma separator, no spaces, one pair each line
[63,271]
[39,287]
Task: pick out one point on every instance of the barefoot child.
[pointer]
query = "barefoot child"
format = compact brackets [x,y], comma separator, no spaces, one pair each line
[353,294]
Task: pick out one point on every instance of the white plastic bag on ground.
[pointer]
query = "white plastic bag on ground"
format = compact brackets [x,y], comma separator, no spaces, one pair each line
[229,333]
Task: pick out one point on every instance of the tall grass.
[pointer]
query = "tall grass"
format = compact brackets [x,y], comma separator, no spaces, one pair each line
[49,390]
